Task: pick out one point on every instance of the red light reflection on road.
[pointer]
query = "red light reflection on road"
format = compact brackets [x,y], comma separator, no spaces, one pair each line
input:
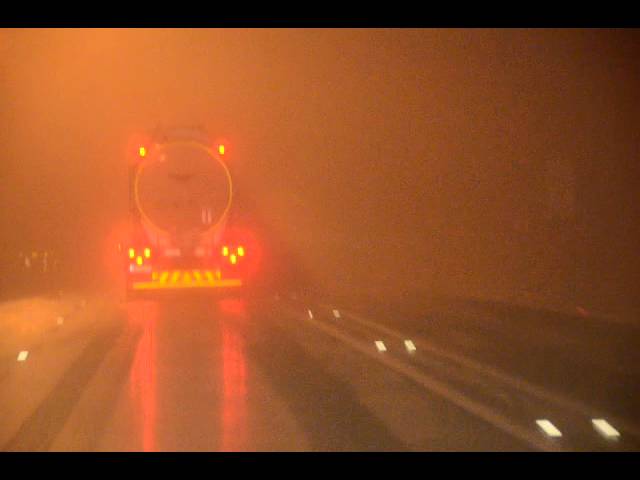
[234,377]
[143,369]
[233,306]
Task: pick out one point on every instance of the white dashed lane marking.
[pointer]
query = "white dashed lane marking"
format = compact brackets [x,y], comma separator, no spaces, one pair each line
[604,428]
[310,313]
[336,313]
[22,356]
[549,428]
[380,346]
[410,346]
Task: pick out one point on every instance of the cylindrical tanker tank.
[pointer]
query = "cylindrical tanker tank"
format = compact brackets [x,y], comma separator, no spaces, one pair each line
[183,192]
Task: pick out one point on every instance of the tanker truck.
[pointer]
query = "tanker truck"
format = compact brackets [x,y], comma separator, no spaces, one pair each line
[182,228]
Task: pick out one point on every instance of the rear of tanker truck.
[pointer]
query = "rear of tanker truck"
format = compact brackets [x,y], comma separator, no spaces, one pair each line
[183,233]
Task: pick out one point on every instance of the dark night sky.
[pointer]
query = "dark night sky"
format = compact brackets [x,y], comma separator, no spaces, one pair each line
[477,161]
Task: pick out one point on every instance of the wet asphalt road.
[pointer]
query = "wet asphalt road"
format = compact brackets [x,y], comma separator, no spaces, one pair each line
[299,372]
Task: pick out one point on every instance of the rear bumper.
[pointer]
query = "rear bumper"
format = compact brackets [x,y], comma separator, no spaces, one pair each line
[184,279]
[235,282]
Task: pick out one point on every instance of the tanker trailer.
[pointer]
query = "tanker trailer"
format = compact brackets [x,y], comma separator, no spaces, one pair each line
[182,236]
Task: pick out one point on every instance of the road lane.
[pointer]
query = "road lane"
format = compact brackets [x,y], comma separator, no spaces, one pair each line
[452,362]
[209,374]
[25,386]
[222,374]
[185,387]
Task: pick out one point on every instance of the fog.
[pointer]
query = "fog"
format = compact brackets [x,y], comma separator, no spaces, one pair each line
[488,163]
